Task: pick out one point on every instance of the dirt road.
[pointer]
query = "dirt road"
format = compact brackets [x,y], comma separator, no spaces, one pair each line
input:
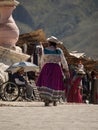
[34,116]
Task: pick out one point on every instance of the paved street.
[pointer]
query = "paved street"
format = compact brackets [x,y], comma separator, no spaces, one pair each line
[34,116]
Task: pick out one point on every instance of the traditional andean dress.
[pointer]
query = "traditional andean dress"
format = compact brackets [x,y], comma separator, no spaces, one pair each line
[50,81]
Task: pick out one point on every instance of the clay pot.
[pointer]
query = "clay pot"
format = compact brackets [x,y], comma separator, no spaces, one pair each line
[9,32]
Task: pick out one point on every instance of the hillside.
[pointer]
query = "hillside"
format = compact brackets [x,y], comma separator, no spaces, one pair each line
[75,22]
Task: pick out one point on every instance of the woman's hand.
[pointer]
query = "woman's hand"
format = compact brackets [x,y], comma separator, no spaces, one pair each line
[67,74]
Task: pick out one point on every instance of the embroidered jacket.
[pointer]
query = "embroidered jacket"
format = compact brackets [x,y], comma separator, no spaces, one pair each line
[53,56]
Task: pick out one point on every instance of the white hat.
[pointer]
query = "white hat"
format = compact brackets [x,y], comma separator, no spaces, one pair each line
[16,2]
[53,39]
[8,2]
[80,71]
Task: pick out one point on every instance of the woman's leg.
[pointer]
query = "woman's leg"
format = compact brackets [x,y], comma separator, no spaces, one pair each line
[46,102]
[54,103]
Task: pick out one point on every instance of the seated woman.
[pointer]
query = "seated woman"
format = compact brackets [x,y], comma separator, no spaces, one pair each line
[19,79]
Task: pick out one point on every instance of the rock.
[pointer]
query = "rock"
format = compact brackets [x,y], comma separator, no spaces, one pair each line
[3,74]
[9,32]
[8,56]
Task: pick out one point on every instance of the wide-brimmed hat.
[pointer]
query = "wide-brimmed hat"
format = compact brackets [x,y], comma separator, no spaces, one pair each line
[20,69]
[54,39]
[9,2]
[80,71]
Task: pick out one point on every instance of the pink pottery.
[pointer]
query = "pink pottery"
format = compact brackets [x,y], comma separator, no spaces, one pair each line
[9,32]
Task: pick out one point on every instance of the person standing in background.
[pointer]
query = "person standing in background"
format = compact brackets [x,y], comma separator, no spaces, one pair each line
[75,93]
[80,66]
[93,78]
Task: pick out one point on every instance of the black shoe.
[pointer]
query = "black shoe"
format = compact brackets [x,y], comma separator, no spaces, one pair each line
[28,99]
[54,103]
[46,103]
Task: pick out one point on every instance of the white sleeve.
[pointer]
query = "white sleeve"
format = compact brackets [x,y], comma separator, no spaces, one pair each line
[64,61]
[42,57]
[81,83]
[19,82]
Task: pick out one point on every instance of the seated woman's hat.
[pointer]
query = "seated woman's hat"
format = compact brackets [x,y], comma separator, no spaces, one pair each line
[20,69]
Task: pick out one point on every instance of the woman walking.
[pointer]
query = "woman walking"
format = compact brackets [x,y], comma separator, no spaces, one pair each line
[50,81]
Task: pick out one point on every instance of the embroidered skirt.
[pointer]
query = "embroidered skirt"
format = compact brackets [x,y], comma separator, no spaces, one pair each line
[50,82]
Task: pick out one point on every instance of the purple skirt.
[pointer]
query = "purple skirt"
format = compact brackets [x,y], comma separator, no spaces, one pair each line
[50,82]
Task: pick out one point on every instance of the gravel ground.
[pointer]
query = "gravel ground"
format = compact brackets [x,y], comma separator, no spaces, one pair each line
[35,116]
